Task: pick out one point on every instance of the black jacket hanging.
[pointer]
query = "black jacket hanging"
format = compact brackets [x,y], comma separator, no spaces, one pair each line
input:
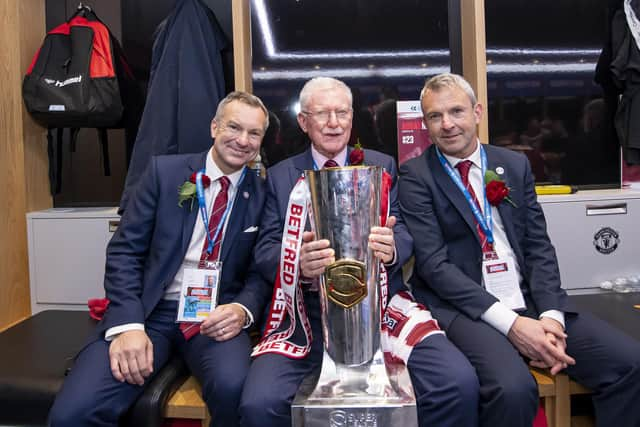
[185,86]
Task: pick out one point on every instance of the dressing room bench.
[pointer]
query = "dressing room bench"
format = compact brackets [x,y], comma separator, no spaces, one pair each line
[555,392]
[36,353]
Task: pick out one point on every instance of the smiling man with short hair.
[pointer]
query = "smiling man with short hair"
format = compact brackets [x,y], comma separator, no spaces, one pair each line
[485,267]
[161,241]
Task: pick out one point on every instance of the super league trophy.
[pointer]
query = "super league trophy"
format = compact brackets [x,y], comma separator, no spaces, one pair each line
[355,387]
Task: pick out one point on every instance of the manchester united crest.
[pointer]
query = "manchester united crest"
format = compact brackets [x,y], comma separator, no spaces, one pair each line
[606,240]
[346,282]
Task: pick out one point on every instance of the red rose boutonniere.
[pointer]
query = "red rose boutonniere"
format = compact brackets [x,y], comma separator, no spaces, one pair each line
[495,189]
[187,191]
[356,156]
[97,307]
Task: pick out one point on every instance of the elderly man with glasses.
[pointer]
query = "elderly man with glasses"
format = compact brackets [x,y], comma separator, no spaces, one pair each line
[445,384]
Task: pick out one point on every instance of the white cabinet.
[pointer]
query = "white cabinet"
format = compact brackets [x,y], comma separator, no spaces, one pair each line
[67,255]
[596,235]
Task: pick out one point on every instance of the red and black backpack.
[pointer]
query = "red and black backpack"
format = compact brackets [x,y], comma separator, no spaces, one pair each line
[79,78]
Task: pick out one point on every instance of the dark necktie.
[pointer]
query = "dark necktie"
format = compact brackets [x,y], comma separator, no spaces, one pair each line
[464,167]
[189,329]
[330,164]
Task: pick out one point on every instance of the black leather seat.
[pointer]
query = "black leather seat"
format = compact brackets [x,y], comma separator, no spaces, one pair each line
[148,409]
[618,309]
[35,355]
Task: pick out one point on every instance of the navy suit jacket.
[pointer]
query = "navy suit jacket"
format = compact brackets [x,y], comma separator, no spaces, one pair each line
[447,274]
[149,246]
[281,178]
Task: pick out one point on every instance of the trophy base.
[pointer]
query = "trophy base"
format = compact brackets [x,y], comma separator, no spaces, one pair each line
[354,416]
[372,395]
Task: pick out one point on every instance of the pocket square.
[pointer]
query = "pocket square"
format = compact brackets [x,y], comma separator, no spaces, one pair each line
[252,229]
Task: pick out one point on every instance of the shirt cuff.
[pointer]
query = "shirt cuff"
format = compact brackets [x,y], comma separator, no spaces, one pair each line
[556,315]
[310,284]
[249,320]
[393,260]
[117,330]
[500,317]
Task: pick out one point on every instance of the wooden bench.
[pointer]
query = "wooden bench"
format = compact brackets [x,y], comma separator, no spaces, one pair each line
[187,402]
[555,392]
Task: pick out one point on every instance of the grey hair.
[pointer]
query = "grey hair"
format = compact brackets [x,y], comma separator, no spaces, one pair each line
[244,98]
[322,83]
[448,80]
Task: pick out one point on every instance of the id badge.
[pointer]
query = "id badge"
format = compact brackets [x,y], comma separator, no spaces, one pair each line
[199,293]
[501,281]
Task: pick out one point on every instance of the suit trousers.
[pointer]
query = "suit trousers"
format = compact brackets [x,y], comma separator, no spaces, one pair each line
[91,396]
[445,384]
[607,361]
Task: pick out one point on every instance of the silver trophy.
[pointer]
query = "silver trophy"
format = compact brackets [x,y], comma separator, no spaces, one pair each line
[355,387]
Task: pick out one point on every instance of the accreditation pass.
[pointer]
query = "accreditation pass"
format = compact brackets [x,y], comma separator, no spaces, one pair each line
[199,294]
[501,281]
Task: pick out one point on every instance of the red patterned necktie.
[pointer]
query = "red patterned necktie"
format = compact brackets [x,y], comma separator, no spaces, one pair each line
[219,206]
[330,164]
[189,329]
[464,167]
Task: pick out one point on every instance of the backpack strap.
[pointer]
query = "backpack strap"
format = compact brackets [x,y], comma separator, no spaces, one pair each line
[52,166]
[104,142]
[59,135]
[54,155]
[73,138]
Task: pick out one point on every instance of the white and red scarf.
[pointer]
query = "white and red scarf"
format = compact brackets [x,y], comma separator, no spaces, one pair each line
[403,324]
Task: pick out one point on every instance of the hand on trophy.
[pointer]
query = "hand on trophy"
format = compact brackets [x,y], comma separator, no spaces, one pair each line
[315,255]
[382,243]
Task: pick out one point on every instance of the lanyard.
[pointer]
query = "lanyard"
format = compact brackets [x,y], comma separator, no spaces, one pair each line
[203,209]
[484,221]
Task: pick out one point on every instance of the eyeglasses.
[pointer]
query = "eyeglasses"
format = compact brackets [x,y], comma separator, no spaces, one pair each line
[235,130]
[322,117]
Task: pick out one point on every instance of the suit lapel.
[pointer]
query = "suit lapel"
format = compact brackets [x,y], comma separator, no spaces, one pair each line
[506,210]
[190,216]
[451,191]
[301,163]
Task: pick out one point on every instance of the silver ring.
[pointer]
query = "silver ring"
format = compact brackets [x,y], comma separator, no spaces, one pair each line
[223,332]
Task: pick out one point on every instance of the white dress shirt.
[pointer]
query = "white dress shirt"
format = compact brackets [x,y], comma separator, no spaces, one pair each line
[498,315]
[320,159]
[194,251]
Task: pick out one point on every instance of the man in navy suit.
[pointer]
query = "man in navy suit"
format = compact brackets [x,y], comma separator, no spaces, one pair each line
[486,268]
[156,242]
[446,386]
